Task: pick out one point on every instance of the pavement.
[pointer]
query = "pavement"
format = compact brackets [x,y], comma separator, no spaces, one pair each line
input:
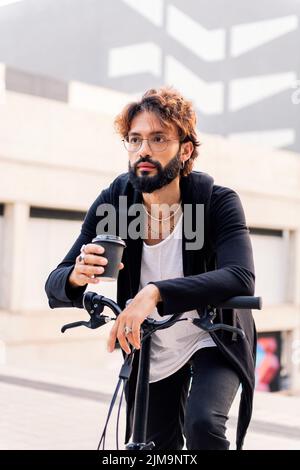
[57,395]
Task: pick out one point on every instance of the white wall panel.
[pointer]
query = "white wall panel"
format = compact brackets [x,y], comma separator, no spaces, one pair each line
[270,258]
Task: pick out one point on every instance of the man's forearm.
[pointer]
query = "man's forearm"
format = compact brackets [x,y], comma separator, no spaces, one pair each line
[155,290]
[59,290]
[188,293]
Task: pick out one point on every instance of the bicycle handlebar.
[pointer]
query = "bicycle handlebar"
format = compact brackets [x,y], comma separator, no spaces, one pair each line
[95,303]
[242,302]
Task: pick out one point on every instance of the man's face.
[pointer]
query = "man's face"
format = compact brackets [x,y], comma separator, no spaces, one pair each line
[165,164]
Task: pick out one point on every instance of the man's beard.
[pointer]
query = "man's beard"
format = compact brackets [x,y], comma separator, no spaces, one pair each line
[164,176]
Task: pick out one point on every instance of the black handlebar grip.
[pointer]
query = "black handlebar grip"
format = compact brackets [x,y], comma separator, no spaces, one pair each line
[242,302]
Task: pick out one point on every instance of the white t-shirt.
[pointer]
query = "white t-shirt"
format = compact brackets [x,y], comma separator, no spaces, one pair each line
[173,347]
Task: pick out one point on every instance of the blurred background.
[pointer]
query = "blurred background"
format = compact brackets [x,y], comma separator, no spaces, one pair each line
[66,69]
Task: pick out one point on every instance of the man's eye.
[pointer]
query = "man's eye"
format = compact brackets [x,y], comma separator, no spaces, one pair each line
[133,140]
[158,139]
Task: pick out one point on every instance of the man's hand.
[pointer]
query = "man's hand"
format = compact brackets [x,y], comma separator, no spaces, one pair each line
[84,271]
[133,316]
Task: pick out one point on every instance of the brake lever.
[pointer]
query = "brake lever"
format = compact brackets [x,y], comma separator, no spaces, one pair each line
[206,323]
[95,322]
[74,325]
[94,307]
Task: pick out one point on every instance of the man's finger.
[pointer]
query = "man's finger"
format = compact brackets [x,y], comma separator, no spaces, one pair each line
[93,248]
[122,338]
[123,343]
[136,335]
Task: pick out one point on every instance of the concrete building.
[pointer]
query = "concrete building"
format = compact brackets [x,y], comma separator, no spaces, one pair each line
[58,150]
[237,61]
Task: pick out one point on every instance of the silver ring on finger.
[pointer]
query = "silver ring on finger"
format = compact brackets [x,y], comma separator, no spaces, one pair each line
[81,257]
[82,254]
[127,330]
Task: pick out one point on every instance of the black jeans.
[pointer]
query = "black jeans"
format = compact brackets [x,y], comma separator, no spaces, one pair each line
[202,413]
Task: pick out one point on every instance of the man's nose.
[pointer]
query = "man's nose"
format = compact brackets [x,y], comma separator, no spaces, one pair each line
[145,148]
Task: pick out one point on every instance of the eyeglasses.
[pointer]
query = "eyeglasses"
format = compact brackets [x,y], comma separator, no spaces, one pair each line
[157,143]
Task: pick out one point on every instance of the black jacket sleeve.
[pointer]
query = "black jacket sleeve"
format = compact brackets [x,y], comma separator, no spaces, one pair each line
[235,270]
[58,289]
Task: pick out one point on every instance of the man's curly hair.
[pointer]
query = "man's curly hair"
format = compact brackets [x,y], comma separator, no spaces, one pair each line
[171,108]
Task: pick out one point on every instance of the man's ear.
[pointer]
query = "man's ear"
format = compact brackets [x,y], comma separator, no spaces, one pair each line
[187,149]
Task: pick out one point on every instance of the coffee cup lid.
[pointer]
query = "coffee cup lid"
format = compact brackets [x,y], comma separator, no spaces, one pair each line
[104,237]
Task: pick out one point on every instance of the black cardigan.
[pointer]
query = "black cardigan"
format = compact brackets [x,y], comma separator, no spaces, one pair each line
[223,268]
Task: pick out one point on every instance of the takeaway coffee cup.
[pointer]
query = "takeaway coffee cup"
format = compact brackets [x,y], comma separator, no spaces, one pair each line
[114,247]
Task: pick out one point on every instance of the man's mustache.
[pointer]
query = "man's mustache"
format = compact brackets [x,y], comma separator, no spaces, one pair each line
[146,160]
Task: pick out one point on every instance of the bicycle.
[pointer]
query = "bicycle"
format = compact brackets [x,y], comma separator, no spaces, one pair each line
[95,303]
